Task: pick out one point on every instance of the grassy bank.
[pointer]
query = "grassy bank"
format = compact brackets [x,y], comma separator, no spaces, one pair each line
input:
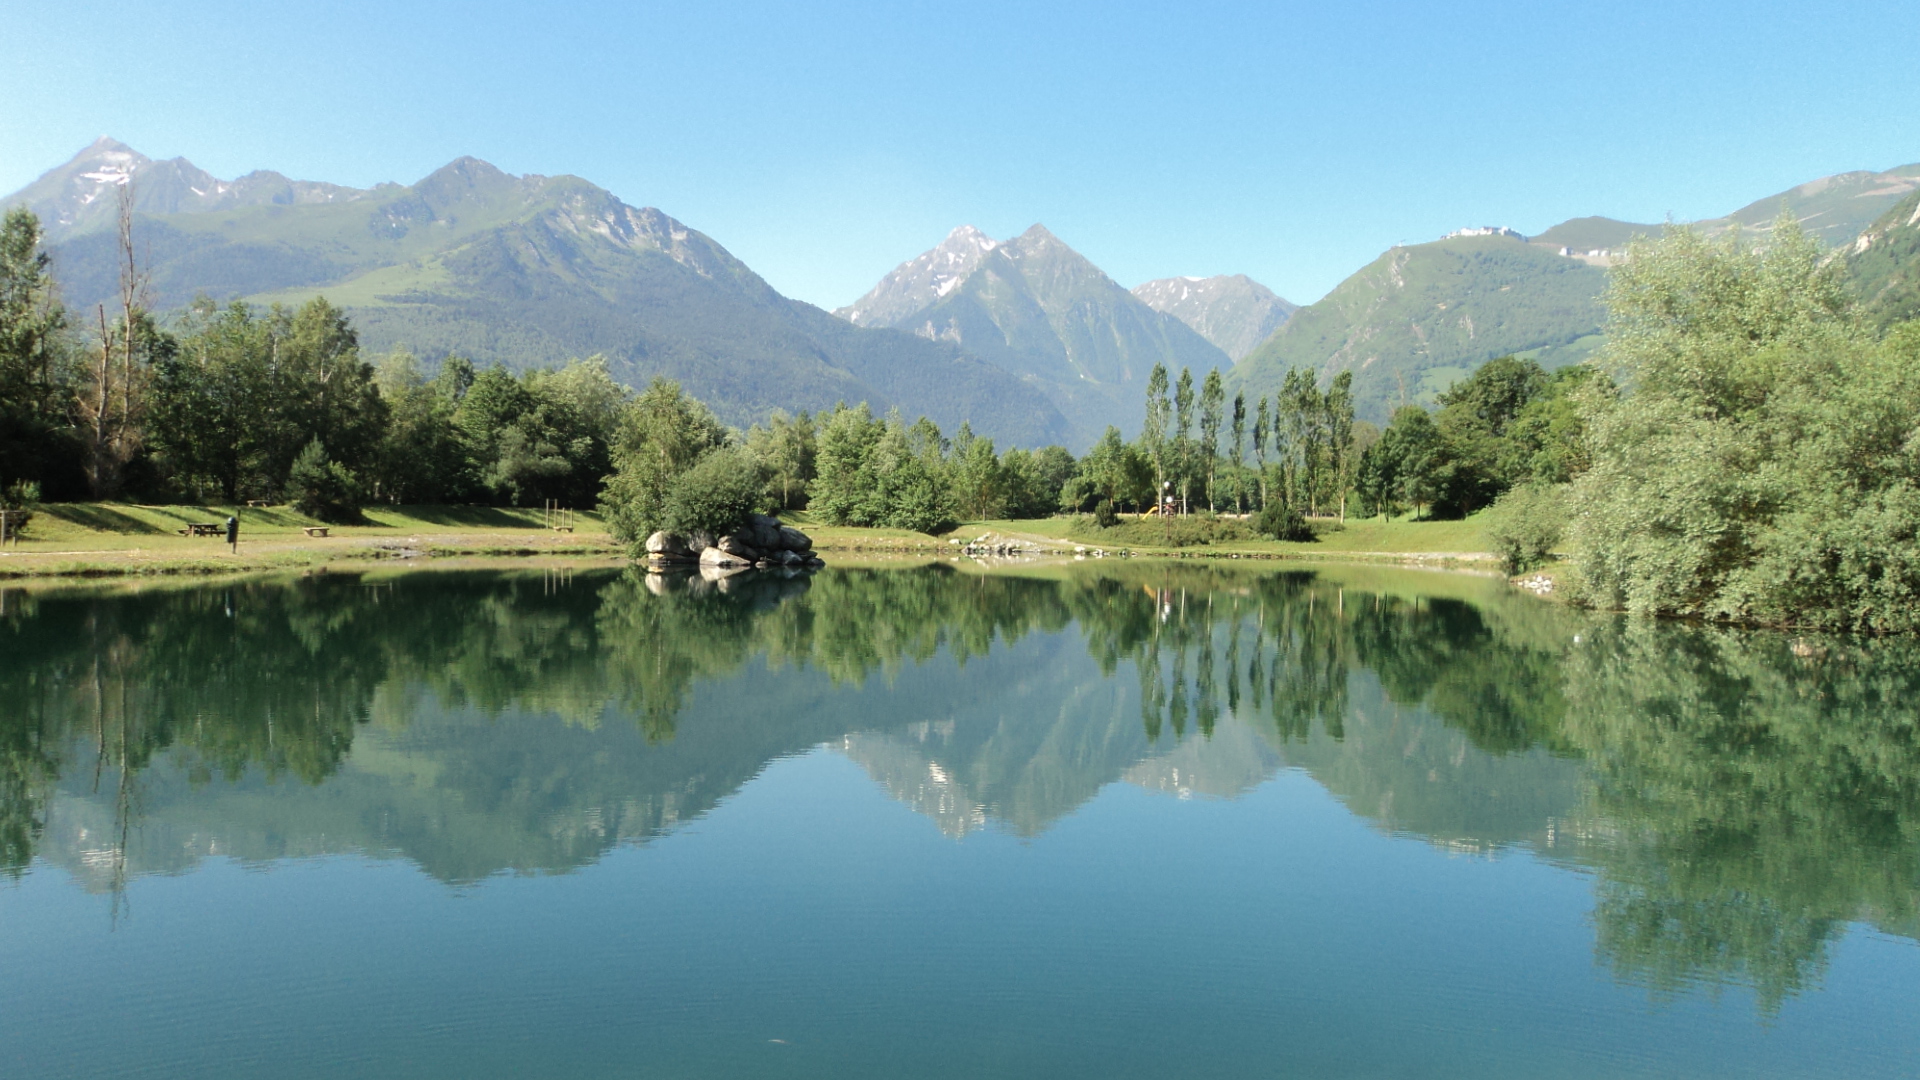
[1398,540]
[105,539]
[109,539]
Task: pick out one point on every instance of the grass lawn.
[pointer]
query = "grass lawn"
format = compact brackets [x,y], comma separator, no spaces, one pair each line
[122,538]
[1376,536]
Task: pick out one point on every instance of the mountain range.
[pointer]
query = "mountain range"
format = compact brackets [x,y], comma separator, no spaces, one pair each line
[1423,315]
[526,271]
[1025,339]
[1233,311]
[1036,307]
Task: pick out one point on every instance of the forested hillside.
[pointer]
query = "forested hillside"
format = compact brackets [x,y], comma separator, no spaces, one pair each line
[1884,265]
[1421,317]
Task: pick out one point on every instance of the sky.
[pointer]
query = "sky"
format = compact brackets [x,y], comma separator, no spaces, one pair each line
[824,144]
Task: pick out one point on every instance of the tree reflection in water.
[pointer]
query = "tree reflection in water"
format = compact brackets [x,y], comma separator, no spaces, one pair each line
[1741,796]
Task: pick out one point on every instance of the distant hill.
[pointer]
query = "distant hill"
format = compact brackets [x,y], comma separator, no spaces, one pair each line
[1036,307]
[1594,234]
[1420,317]
[1834,209]
[527,271]
[1883,264]
[1232,311]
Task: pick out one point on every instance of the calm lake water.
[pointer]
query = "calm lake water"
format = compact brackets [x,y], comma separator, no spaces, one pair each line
[1118,820]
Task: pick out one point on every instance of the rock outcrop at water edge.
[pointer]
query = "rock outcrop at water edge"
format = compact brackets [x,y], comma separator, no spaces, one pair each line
[760,543]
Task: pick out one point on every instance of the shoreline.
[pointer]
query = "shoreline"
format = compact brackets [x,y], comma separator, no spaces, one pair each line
[104,541]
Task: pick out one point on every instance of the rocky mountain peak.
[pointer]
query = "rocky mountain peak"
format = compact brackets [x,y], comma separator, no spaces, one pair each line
[922,281]
[1233,311]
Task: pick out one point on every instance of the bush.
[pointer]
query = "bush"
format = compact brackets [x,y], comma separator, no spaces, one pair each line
[20,500]
[717,494]
[1282,522]
[1198,530]
[1523,525]
[322,488]
[1103,515]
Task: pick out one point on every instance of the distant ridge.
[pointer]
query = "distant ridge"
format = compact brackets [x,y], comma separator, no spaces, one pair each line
[1036,307]
[1422,316]
[522,270]
[1233,311]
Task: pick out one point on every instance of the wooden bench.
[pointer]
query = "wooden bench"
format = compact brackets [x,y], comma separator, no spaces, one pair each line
[314,530]
[204,528]
[561,528]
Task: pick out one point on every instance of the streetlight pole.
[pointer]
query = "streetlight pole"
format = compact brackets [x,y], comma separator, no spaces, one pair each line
[1166,503]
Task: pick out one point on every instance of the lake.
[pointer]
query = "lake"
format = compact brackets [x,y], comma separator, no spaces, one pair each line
[1113,819]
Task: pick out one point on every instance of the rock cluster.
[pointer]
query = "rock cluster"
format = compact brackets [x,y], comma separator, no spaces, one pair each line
[762,542]
[987,544]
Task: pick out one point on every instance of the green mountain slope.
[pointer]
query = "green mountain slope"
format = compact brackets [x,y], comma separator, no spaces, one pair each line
[1233,311]
[524,271]
[1594,233]
[1884,264]
[1419,317]
[1034,306]
[1835,209]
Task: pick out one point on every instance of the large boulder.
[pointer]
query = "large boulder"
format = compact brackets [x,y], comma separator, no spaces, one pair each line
[666,545]
[733,544]
[793,539]
[717,557]
[699,540]
[762,532]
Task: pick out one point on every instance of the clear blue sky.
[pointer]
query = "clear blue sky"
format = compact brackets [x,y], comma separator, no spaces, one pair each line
[825,143]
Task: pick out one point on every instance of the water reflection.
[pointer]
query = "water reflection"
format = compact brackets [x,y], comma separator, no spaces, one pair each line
[1740,797]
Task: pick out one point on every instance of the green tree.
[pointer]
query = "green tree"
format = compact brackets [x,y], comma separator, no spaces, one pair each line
[1213,403]
[36,380]
[323,488]
[1761,466]
[662,434]
[787,447]
[979,481]
[717,494]
[1476,418]
[1262,433]
[841,490]
[1413,454]
[1153,431]
[1343,460]
[421,457]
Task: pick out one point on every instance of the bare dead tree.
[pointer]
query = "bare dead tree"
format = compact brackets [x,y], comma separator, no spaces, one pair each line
[113,405]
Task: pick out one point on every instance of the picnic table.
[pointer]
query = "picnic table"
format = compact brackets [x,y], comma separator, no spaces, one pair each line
[314,530]
[204,528]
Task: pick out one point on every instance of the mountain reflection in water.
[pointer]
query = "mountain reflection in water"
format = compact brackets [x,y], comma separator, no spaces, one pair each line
[1739,797]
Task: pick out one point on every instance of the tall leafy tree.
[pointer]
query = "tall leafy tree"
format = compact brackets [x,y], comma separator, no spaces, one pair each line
[1239,448]
[787,447]
[1213,403]
[1337,409]
[1183,449]
[35,380]
[1762,464]
[662,434]
[1153,431]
